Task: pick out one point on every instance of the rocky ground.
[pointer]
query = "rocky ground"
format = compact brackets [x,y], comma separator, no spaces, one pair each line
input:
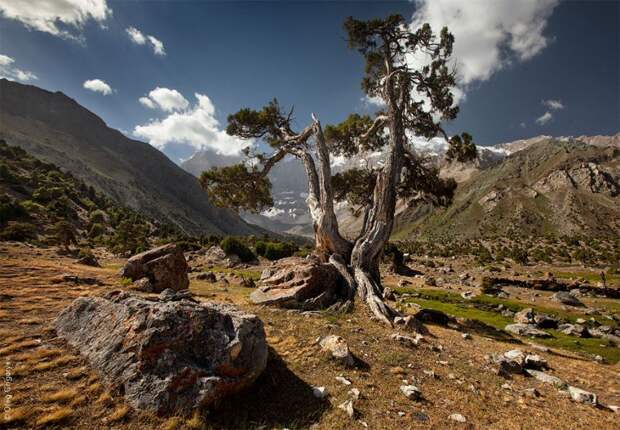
[454,370]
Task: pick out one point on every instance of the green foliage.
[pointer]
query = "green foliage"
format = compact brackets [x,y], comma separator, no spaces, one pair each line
[97,217]
[260,248]
[461,148]
[18,231]
[232,245]
[65,233]
[277,250]
[11,209]
[237,186]
[344,139]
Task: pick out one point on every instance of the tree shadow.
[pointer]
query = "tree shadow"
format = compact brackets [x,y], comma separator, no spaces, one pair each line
[486,330]
[278,399]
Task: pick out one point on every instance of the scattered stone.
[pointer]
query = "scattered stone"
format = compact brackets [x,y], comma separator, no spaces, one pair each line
[165,266]
[545,321]
[207,276]
[343,380]
[534,361]
[574,330]
[319,392]
[567,298]
[582,396]
[531,392]
[338,349]
[167,356]
[546,378]
[407,340]
[430,281]
[247,282]
[613,408]
[411,392]
[143,284]
[433,316]
[355,393]
[466,336]
[526,330]
[458,418]
[467,295]
[348,408]
[525,316]
[411,323]
[89,260]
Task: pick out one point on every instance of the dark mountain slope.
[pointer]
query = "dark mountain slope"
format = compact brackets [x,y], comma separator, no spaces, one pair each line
[57,129]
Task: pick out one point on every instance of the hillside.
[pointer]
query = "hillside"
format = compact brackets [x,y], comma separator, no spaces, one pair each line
[550,186]
[56,129]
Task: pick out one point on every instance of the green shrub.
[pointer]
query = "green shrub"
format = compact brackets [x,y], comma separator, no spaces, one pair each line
[97,217]
[278,250]
[18,231]
[260,248]
[11,209]
[96,230]
[86,252]
[232,245]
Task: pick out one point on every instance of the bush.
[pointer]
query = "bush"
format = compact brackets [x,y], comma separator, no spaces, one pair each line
[10,209]
[260,247]
[97,217]
[96,230]
[232,245]
[18,231]
[277,250]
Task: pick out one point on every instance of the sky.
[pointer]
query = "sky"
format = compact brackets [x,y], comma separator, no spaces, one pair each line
[169,72]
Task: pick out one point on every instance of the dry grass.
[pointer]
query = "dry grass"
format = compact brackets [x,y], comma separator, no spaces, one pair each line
[104,399]
[19,346]
[62,396]
[75,374]
[16,415]
[196,421]
[172,423]
[120,413]
[55,417]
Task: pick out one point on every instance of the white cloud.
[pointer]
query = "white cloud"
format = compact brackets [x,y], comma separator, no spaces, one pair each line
[196,127]
[553,104]
[165,99]
[488,33]
[544,118]
[136,36]
[522,125]
[12,73]
[63,18]
[139,38]
[147,102]
[98,86]
[158,46]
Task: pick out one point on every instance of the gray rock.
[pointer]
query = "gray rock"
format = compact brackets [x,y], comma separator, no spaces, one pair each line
[143,284]
[582,396]
[567,298]
[525,316]
[164,266]
[388,294]
[167,356]
[348,408]
[574,330]
[207,276]
[411,392]
[458,418]
[546,378]
[534,361]
[319,392]
[407,340]
[526,330]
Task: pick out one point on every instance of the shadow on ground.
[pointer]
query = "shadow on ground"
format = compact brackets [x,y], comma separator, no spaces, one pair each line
[486,330]
[278,399]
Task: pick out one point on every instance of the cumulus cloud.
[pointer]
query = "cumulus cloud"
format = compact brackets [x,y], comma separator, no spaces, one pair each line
[544,118]
[488,34]
[553,104]
[98,86]
[195,126]
[165,99]
[139,38]
[63,18]
[12,73]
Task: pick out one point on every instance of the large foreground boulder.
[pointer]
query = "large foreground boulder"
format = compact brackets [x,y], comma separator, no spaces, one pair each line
[167,355]
[164,266]
[299,283]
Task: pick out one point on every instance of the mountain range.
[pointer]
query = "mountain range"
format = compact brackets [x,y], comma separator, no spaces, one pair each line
[56,129]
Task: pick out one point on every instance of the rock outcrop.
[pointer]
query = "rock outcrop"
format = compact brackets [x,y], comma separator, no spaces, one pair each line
[168,355]
[164,266]
[299,283]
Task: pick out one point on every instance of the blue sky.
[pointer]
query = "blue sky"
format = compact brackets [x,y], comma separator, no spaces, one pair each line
[527,67]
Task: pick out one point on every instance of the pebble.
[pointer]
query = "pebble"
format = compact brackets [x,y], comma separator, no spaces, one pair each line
[319,392]
[411,392]
[348,408]
[458,418]
[342,380]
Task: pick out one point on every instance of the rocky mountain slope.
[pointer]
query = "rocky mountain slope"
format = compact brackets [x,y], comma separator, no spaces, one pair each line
[557,186]
[56,129]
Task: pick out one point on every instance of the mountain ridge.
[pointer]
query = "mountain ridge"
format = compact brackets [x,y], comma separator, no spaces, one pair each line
[57,129]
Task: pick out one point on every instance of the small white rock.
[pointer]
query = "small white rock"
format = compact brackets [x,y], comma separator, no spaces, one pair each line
[342,380]
[458,418]
[582,396]
[348,408]
[466,336]
[411,392]
[354,393]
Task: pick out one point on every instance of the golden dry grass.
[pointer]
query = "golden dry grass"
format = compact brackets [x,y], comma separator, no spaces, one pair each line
[61,396]
[120,413]
[54,417]
[172,423]
[16,415]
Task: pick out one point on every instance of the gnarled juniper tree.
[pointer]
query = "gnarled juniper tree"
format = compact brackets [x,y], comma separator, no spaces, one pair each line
[415,99]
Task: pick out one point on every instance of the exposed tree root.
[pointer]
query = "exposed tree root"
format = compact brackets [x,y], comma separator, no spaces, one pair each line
[370,292]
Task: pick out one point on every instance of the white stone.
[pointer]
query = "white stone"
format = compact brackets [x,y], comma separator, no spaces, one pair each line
[319,392]
[458,418]
[411,392]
